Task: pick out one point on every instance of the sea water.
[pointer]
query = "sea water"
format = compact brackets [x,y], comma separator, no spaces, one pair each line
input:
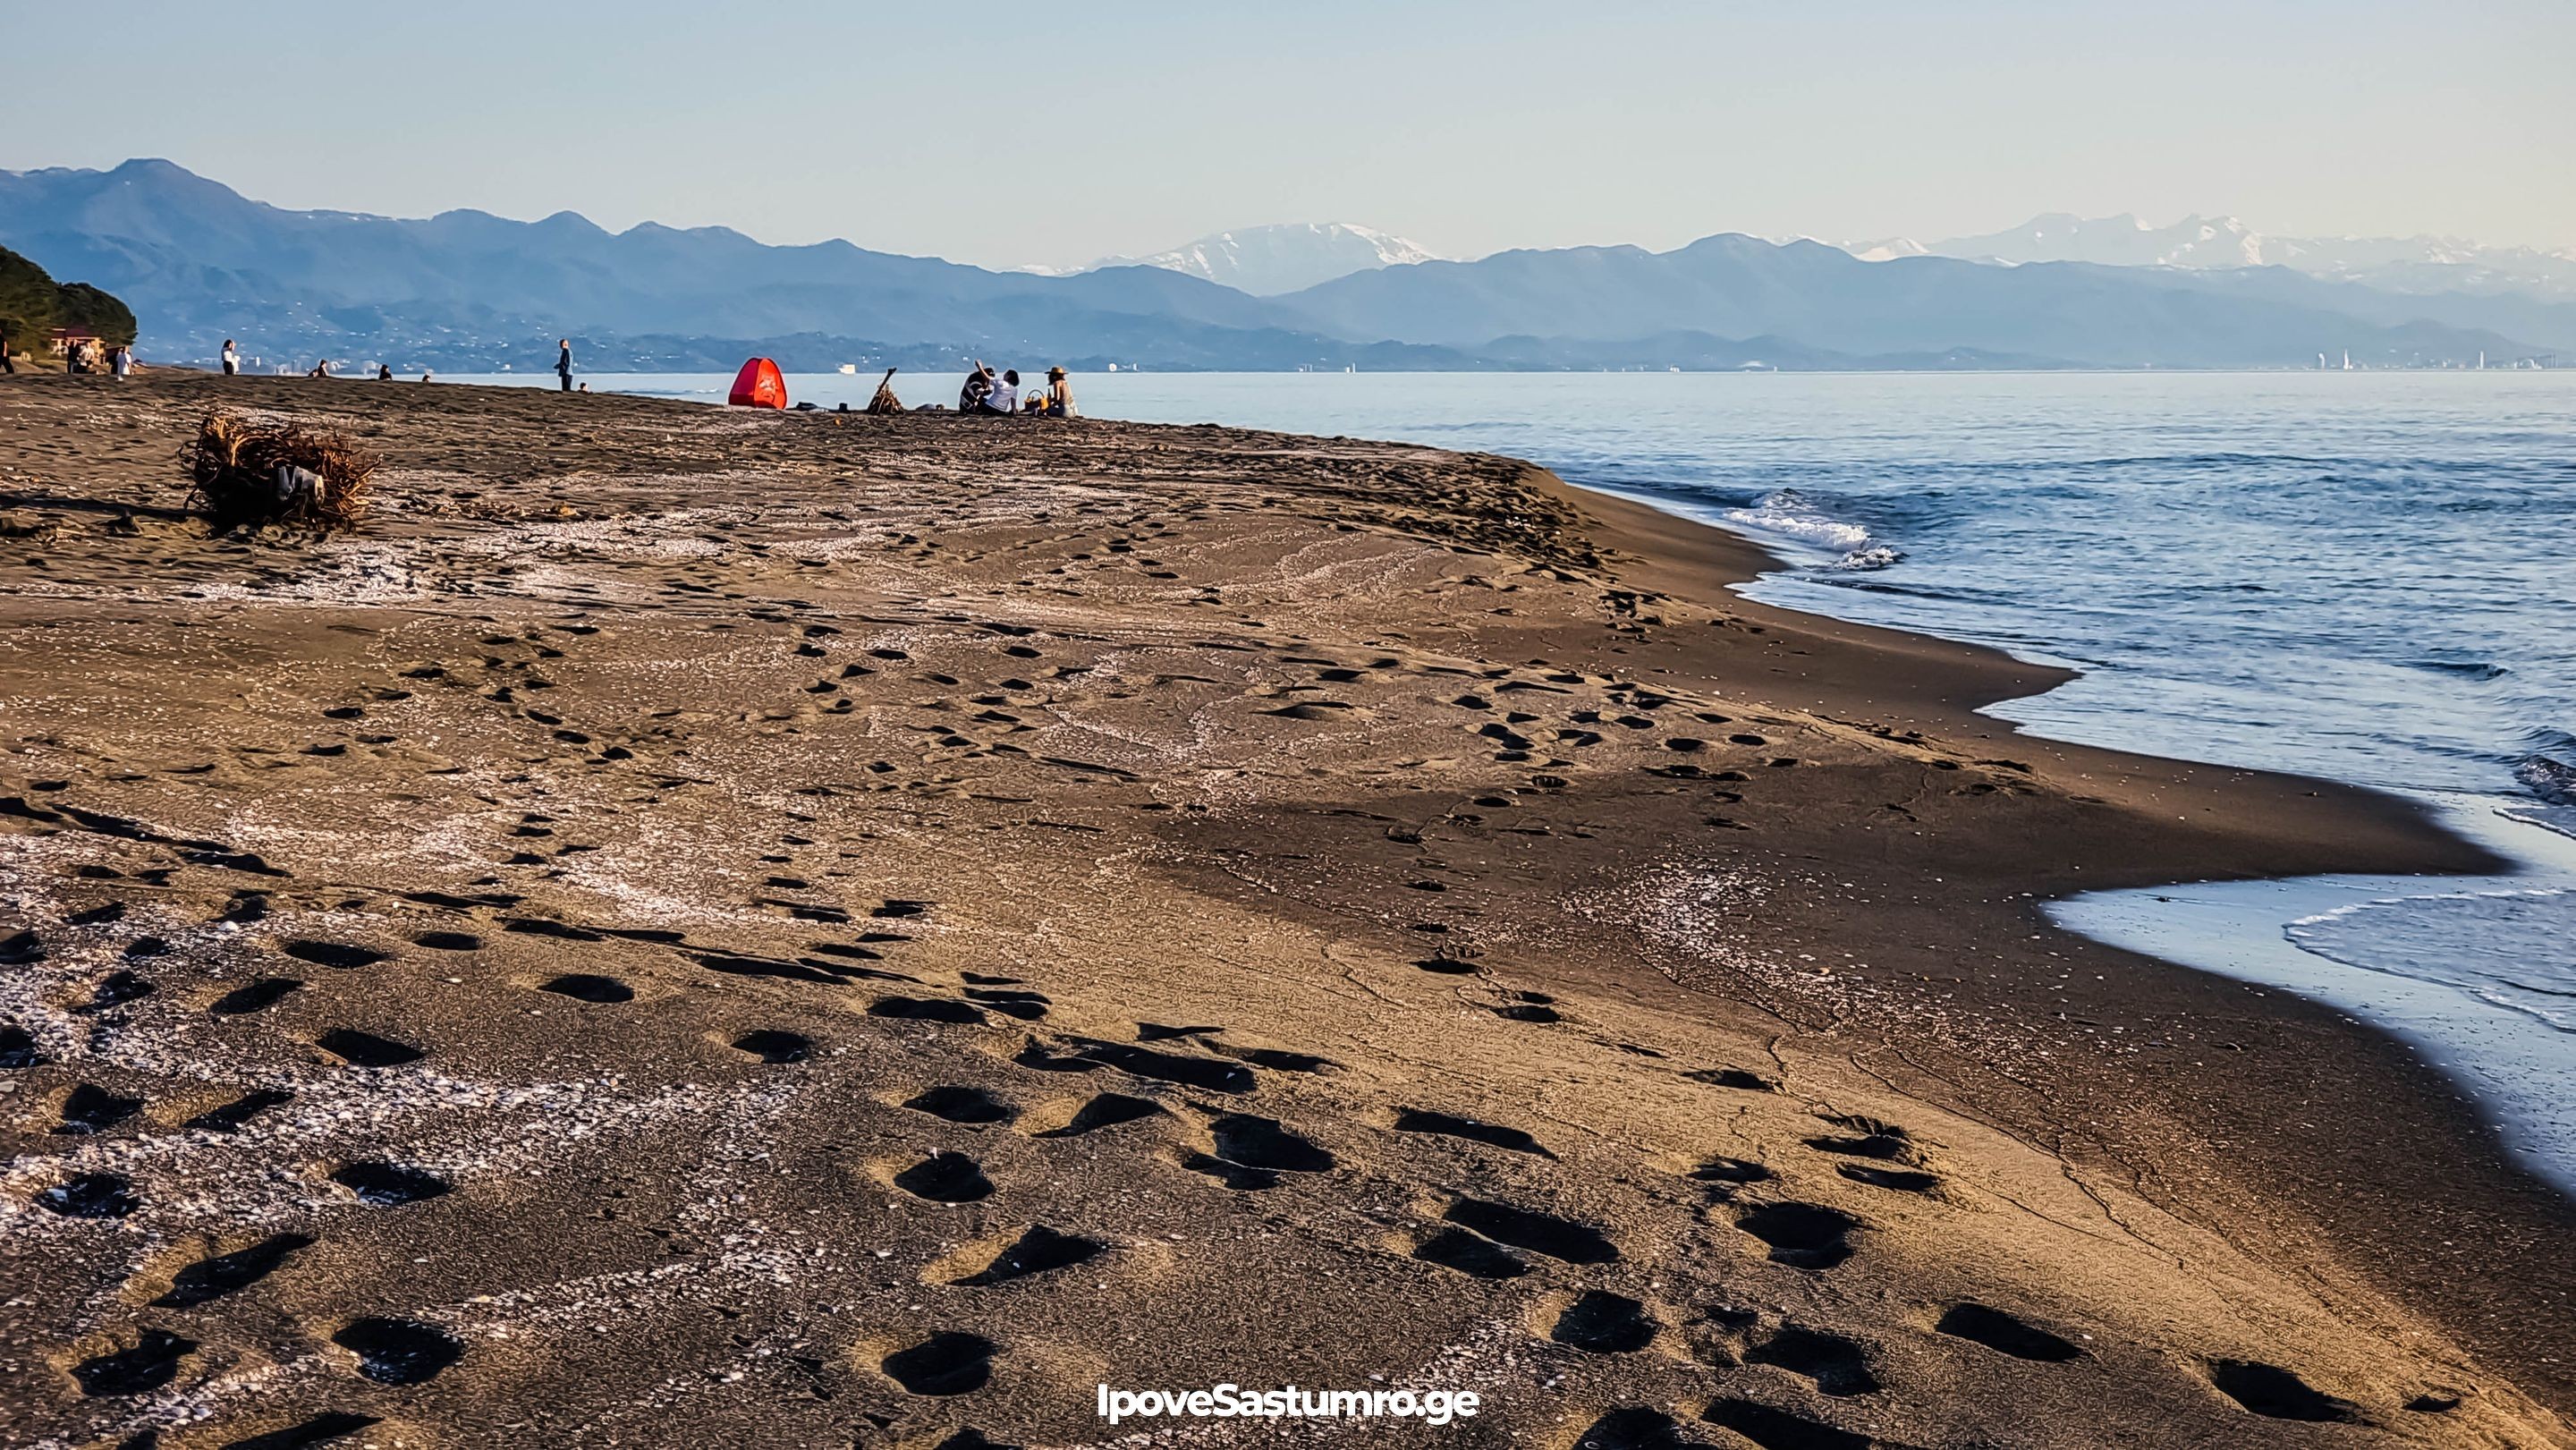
[2366,576]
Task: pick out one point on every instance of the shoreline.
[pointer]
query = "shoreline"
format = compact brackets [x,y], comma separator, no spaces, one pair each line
[1899,837]
[2525,854]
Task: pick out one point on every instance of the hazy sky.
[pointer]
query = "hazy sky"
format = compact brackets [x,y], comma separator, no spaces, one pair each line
[1059,132]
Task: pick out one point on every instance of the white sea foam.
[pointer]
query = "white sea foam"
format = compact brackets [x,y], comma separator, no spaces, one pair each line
[2506,948]
[1788,515]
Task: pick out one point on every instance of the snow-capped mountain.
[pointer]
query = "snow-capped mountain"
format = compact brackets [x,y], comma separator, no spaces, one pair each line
[2399,264]
[2120,241]
[1886,249]
[1267,261]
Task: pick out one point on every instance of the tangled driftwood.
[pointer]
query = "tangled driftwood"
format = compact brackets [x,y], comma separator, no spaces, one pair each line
[885,401]
[250,474]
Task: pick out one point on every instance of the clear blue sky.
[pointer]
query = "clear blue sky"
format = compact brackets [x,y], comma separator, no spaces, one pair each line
[1059,132]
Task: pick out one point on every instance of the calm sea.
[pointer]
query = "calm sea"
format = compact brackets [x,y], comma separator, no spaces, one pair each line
[2364,576]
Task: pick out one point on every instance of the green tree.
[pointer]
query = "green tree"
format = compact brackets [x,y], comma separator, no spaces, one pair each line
[32,305]
[28,302]
[78,304]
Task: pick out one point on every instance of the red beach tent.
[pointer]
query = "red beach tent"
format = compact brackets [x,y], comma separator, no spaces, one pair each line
[758,385]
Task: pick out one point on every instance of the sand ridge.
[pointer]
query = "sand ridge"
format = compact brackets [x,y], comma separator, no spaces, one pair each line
[807,931]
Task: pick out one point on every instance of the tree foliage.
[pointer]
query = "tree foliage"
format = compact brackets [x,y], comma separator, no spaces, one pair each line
[84,306]
[33,304]
[28,299]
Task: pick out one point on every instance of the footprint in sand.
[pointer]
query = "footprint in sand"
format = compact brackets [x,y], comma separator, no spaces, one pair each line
[1417,1120]
[1531,1230]
[221,1274]
[949,1363]
[583,986]
[1835,1365]
[1779,1429]
[398,1351]
[1251,1153]
[1604,1323]
[774,1047]
[1107,1110]
[389,1185]
[969,1105]
[1040,1250]
[91,1195]
[232,1116]
[2004,1334]
[945,1177]
[1801,1235]
[253,997]
[149,1363]
[320,1430]
[2276,1393]
[365,1049]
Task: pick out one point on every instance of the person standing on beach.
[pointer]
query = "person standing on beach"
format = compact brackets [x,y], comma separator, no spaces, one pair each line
[563,362]
[8,364]
[120,360]
[232,359]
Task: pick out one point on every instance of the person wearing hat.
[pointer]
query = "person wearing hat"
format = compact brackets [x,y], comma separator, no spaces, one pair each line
[1059,395]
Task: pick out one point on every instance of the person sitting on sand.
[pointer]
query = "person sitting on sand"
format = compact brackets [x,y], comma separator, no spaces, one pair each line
[1059,395]
[321,369]
[1005,398]
[384,372]
[979,386]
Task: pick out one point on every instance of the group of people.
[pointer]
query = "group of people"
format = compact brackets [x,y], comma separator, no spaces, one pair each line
[321,368]
[82,356]
[996,396]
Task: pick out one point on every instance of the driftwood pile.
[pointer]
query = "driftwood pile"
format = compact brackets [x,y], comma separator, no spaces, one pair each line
[251,475]
[885,401]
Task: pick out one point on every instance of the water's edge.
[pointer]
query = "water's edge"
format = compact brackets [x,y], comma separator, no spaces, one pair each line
[2511,1067]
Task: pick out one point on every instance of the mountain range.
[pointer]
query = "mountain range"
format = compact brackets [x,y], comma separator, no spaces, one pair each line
[466,290]
[1268,261]
[2413,265]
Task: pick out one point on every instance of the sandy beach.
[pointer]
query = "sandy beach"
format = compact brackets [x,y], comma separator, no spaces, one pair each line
[697,927]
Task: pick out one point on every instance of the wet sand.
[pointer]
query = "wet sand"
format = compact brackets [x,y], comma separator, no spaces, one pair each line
[702,927]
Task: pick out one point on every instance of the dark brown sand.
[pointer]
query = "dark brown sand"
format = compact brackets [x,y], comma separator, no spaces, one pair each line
[700,928]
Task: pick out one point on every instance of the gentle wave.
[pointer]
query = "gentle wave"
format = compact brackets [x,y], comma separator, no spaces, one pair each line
[1788,514]
[2506,948]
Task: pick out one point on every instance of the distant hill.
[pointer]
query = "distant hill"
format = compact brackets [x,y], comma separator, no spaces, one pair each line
[465,290]
[1266,261]
[211,263]
[33,304]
